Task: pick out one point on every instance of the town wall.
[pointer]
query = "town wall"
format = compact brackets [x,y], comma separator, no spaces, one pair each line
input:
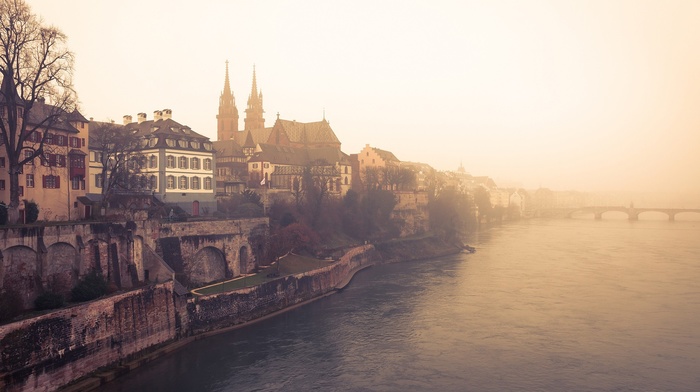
[48,351]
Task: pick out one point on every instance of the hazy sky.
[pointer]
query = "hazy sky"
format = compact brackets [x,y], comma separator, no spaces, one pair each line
[586,95]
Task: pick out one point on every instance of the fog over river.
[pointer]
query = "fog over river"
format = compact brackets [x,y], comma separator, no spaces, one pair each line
[543,305]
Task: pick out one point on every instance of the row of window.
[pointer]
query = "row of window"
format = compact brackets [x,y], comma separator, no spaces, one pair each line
[172,162]
[267,165]
[49,159]
[182,182]
[57,140]
[48,182]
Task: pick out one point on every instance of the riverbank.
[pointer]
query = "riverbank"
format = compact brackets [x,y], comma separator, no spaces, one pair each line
[223,312]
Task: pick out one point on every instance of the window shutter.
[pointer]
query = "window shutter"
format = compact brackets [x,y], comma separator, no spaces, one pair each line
[58,181]
[43,181]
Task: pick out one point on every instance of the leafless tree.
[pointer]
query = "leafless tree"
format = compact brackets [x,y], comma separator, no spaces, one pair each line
[37,89]
[117,151]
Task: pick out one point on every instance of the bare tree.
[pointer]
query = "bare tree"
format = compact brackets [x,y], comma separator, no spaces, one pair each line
[118,152]
[37,90]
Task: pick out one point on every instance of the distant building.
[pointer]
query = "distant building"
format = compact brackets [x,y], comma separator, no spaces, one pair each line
[281,168]
[277,153]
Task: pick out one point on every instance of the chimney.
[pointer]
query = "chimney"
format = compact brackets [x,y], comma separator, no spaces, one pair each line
[157,115]
[167,113]
[127,119]
[141,117]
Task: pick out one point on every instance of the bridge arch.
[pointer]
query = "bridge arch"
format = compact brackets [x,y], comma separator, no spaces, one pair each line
[207,265]
[19,272]
[686,215]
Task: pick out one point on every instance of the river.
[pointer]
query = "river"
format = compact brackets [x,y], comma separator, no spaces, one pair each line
[543,305]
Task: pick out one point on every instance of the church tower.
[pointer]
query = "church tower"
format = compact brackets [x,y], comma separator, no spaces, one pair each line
[228,113]
[254,113]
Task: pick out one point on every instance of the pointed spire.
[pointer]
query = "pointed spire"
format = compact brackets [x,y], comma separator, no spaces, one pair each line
[227,85]
[254,113]
[228,113]
[254,89]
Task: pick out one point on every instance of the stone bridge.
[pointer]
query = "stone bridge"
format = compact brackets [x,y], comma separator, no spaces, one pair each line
[598,211]
[53,257]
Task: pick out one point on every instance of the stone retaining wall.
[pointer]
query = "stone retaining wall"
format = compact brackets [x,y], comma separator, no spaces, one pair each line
[46,352]
[221,310]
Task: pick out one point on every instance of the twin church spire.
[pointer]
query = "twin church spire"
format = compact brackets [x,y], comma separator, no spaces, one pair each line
[228,112]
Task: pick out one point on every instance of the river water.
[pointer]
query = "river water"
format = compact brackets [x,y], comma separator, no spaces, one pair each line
[558,305]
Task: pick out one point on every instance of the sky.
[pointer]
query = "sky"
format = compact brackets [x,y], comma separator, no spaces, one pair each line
[569,95]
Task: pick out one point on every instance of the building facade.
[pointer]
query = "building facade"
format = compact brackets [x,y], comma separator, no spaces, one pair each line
[179,163]
[56,179]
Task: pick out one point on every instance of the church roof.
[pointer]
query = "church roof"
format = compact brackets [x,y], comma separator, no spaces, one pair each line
[309,133]
[260,135]
[228,148]
[299,156]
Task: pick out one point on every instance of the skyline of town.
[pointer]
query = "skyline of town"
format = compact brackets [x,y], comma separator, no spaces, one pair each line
[578,109]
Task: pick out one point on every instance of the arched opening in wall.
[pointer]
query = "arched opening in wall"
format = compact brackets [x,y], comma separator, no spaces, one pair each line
[60,268]
[20,273]
[208,265]
[243,259]
[195,208]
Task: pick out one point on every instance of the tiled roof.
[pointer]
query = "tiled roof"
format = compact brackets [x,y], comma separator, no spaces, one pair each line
[228,148]
[287,155]
[164,127]
[40,111]
[387,156]
[259,135]
[309,133]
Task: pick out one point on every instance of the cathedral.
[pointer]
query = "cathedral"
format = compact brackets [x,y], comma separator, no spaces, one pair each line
[246,157]
[228,112]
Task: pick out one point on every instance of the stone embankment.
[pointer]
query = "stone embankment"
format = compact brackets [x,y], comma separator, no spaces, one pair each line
[127,330]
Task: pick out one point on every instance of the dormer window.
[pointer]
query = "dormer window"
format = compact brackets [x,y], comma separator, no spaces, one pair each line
[152,141]
[170,142]
[182,143]
[207,146]
[194,144]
